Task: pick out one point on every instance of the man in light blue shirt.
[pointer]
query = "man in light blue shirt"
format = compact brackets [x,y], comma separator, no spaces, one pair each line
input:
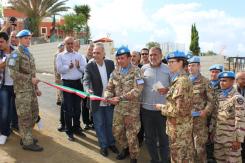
[70,65]
[157,81]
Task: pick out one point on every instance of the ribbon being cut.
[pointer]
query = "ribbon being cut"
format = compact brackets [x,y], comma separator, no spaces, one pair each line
[77,92]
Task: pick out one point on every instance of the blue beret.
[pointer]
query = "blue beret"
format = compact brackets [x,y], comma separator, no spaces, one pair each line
[194,59]
[216,67]
[122,50]
[176,54]
[226,74]
[189,55]
[60,45]
[23,33]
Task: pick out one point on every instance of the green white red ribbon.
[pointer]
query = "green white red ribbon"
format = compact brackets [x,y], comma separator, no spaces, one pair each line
[75,91]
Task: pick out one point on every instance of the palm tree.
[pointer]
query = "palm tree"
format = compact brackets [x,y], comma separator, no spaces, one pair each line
[85,11]
[36,10]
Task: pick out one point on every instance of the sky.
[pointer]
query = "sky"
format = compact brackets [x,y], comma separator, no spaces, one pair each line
[220,23]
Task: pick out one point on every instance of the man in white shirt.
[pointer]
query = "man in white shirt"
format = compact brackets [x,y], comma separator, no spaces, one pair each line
[70,65]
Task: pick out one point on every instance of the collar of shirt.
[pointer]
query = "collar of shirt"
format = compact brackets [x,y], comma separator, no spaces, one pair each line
[100,65]
[193,78]
[124,70]
[225,92]
[173,76]
[26,50]
[214,83]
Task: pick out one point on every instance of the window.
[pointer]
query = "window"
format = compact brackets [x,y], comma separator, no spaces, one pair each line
[44,30]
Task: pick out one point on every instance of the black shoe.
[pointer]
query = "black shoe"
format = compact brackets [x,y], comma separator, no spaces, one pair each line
[35,141]
[71,137]
[133,160]
[58,103]
[61,128]
[33,147]
[87,127]
[114,149]
[124,153]
[79,133]
[104,152]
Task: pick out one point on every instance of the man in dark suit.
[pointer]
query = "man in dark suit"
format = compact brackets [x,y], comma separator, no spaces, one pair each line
[96,77]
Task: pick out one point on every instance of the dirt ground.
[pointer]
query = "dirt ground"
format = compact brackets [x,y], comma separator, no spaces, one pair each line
[57,149]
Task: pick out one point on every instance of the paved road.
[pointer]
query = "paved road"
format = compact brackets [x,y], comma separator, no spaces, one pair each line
[57,149]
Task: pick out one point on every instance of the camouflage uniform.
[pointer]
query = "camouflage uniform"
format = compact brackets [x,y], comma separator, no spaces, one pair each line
[58,81]
[22,70]
[209,145]
[179,119]
[202,100]
[126,119]
[229,126]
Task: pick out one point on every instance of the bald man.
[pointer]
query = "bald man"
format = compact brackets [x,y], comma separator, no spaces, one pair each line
[70,65]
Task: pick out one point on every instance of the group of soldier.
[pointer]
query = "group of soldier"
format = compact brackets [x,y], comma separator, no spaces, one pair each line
[183,116]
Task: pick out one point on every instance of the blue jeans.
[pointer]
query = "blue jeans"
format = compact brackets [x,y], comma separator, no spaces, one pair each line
[7,108]
[102,118]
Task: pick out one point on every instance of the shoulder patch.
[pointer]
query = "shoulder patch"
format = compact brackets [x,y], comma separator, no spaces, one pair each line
[14,55]
[240,100]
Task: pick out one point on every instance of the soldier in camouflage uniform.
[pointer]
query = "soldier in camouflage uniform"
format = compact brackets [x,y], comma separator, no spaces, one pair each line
[214,85]
[178,110]
[202,106]
[123,90]
[23,72]
[59,96]
[228,121]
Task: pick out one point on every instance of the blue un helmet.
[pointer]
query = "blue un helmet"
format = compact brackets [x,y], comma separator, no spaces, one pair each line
[226,74]
[216,67]
[122,50]
[23,33]
[189,55]
[176,55]
[194,59]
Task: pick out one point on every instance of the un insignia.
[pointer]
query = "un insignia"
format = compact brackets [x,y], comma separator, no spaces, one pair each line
[240,100]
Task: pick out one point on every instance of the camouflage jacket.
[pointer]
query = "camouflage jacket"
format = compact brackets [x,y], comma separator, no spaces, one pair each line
[22,70]
[229,119]
[127,88]
[179,106]
[56,74]
[202,95]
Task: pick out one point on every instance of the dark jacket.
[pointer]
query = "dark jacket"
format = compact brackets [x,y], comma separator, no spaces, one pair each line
[92,80]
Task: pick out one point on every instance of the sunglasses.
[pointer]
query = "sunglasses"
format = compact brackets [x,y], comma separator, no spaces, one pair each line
[144,54]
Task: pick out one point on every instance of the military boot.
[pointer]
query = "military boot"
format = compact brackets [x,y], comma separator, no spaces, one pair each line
[133,160]
[124,153]
[35,141]
[33,147]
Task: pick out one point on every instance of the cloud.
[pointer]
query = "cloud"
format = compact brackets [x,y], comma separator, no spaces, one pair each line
[129,22]
[216,28]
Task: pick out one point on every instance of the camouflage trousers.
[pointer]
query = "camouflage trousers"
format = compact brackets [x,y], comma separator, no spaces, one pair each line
[200,137]
[27,111]
[125,130]
[224,154]
[180,141]
[59,96]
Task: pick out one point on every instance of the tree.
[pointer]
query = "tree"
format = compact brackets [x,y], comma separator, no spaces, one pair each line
[1,10]
[36,10]
[73,23]
[152,44]
[194,46]
[85,11]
